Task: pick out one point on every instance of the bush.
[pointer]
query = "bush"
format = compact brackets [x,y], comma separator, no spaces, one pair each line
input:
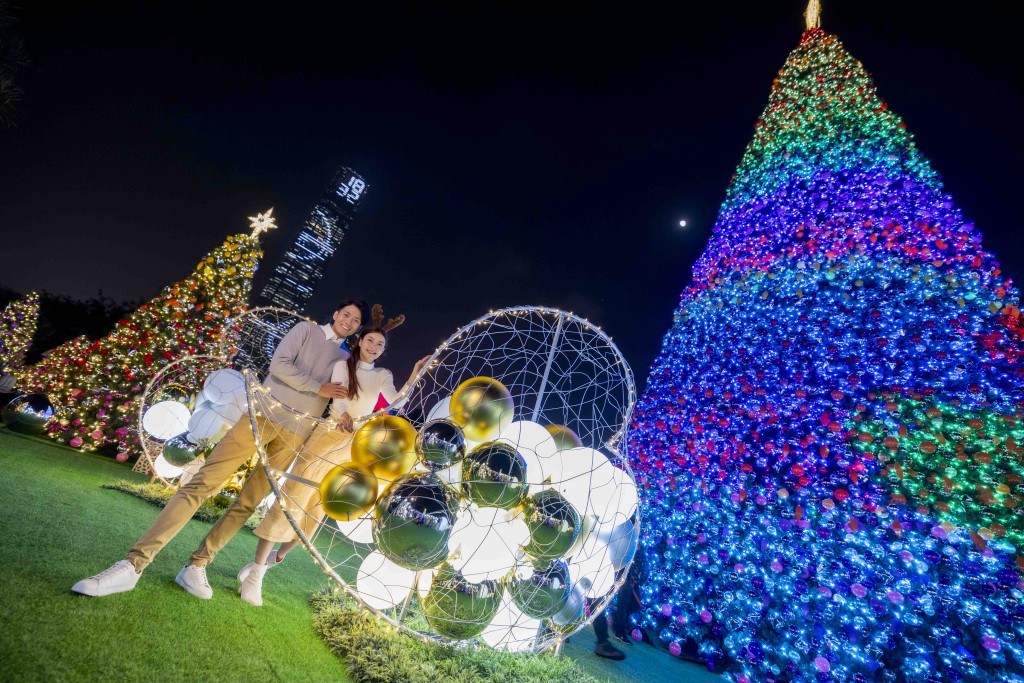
[376,652]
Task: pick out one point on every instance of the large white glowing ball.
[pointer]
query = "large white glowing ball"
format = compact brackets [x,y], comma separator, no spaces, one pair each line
[358,530]
[165,469]
[621,536]
[222,386]
[204,425]
[381,583]
[426,580]
[591,568]
[616,496]
[577,472]
[188,471]
[510,629]
[166,419]
[442,410]
[485,542]
[535,444]
[452,475]
[229,412]
[573,610]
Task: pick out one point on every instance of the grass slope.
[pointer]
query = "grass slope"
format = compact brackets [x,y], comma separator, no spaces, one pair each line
[58,526]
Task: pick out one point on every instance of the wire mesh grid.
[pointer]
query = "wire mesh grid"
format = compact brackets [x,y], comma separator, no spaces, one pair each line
[520,573]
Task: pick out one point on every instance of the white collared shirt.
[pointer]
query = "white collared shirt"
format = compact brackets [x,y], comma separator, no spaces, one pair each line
[329,333]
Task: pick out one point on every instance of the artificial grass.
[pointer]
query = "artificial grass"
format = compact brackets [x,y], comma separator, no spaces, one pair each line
[59,524]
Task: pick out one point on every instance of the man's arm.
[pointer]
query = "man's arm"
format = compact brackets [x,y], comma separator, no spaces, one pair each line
[282,365]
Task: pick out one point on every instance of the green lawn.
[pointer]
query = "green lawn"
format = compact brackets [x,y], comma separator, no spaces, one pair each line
[58,525]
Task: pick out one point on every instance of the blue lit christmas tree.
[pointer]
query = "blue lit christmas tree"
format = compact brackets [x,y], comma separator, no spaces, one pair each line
[831,439]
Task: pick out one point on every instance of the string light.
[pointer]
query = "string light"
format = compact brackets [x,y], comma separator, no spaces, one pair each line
[830,441]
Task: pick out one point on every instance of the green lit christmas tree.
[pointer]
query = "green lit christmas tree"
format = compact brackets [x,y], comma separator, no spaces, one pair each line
[831,438]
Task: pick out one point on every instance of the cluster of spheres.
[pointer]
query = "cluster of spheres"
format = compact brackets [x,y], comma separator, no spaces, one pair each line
[506,531]
[187,409]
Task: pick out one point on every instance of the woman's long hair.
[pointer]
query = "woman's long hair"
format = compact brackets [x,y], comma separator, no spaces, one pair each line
[353,359]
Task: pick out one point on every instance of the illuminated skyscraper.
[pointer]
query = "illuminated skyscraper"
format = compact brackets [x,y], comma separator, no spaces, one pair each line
[302,266]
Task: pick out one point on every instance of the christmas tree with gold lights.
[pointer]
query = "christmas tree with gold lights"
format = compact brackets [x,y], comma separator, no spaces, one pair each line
[17,327]
[95,385]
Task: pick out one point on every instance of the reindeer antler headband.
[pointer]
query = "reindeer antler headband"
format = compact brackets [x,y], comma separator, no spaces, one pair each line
[377,319]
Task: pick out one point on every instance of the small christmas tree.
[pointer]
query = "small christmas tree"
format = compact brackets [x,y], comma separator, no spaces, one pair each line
[17,327]
[95,388]
[831,439]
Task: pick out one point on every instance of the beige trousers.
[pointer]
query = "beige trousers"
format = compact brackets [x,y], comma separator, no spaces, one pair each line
[326,448]
[237,446]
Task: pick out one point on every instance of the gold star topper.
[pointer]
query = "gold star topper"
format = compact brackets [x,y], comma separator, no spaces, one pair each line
[262,222]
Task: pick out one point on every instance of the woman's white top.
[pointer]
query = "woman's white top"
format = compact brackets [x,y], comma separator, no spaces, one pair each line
[373,382]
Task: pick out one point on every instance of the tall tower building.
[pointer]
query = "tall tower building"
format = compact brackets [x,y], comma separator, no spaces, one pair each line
[300,269]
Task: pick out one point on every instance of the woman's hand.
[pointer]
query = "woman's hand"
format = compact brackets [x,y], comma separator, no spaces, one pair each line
[345,423]
[419,365]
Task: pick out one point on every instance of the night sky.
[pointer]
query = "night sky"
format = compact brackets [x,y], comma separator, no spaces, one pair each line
[516,153]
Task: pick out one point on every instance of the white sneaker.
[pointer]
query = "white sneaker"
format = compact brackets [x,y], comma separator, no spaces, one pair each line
[272,562]
[251,589]
[193,580]
[118,578]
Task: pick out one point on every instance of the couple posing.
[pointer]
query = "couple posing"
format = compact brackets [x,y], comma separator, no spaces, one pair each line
[310,367]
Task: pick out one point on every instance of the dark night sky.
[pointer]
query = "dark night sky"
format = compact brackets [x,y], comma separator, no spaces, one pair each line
[516,153]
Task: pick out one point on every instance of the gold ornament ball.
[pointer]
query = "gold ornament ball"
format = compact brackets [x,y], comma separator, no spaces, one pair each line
[483,407]
[564,437]
[348,491]
[386,445]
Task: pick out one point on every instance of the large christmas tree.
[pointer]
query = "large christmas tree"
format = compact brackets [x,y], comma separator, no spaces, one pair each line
[95,385]
[831,439]
[17,327]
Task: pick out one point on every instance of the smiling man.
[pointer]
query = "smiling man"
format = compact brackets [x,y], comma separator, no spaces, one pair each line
[300,379]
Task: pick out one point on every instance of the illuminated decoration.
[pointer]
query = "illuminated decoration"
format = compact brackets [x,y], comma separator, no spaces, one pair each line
[96,385]
[480,533]
[28,413]
[829,446]
[293,280]
[262,222]
[17,327]
[166,419]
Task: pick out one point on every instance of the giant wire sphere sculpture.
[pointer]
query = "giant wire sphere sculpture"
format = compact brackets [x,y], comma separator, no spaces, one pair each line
[186,407]
[489,502]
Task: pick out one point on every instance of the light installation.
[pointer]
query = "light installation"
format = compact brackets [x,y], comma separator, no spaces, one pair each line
[301,268]
[829,446]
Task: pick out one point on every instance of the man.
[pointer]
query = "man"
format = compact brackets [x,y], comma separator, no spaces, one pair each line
[299,379]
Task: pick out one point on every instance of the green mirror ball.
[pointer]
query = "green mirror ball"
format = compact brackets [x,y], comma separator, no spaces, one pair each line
[554,525]
[348,491]
[494,475]
[458,609]
[29,414]
[544,593]
[180,450]
[440,444]
[413,520]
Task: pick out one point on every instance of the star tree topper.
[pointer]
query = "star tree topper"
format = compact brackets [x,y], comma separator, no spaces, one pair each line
[262,222]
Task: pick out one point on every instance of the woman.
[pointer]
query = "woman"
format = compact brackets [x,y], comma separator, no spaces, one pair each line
[326,448]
